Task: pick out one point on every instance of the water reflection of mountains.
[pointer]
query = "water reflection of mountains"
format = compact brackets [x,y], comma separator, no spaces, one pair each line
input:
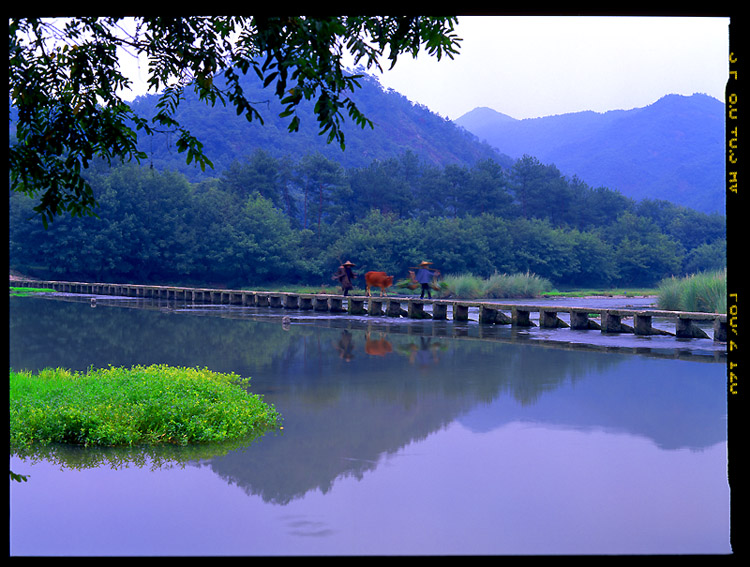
[351,395]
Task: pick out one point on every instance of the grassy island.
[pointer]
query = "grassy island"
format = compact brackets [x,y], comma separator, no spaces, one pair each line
[136,406]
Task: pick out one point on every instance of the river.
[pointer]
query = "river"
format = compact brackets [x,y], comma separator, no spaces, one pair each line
[399,437]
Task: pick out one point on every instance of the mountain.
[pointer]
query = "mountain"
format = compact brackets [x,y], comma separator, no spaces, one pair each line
[672,149]
[399,125]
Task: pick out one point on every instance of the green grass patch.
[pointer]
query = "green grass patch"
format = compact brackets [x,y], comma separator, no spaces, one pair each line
[704,292]
[23,291]
[133,406]
[597,292]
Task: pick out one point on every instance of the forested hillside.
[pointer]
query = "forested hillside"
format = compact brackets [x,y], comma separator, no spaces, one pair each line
[286,207]
[672,149]
[399,125]
[294,219]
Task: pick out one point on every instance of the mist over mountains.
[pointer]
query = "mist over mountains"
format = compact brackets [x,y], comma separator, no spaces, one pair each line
[671,150]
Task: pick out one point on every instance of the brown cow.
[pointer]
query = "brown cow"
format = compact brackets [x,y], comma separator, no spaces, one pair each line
[377,279]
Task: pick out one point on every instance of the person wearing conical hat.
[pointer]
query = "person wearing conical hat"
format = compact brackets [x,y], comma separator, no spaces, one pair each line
[345,275]
[424,277]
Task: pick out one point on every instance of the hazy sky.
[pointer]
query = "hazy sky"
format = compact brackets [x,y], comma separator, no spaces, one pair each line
[530,66]
[533,66]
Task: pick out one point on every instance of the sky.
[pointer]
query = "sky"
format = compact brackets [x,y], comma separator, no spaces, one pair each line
[531,66]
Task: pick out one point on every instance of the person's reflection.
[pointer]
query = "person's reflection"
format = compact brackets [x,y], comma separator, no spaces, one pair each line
[345,346]
[379,347]
[424,355]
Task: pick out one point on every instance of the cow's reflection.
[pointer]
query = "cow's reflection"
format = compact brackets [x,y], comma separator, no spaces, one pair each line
[379,347]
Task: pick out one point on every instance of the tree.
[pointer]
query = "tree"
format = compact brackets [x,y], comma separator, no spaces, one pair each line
[259,173]
[65,83]
[383,185]
[456,185]
[541,249]
[644,254]
[527,177]
[320,179]
[540,190]
[487,190]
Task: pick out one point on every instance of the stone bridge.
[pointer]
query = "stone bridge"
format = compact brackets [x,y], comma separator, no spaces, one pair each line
[489,313]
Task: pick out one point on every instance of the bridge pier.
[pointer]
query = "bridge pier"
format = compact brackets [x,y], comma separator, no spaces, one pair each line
[642,325]
[503,319]
[579,319]
[720,329]
[439,311]
[375,307]
[335,305]
[416,310]
[393,308]
[521,317]
[549,320]
[487,315]
[356,306]
[612,323]
[460,312]
[291,301]
[687,329]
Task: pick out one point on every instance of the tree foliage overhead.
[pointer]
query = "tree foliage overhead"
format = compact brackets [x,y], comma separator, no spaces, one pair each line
[66,85]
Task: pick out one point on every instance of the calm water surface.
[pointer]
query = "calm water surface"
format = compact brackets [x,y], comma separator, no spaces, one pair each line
[399,437]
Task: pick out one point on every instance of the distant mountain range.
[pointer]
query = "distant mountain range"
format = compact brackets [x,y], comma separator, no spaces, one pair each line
[672,149]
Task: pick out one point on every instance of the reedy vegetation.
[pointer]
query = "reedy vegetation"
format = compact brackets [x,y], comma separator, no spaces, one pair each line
[469,286]
[705,292]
